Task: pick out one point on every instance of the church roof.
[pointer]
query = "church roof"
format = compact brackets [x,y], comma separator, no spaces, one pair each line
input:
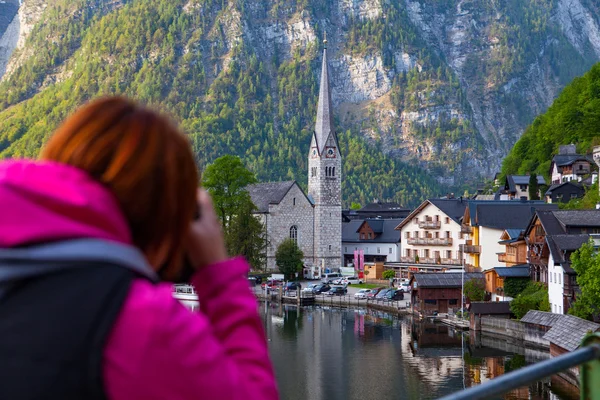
[324,125]
[263,194]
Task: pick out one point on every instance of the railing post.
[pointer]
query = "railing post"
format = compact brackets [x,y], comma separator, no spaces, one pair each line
[589,372]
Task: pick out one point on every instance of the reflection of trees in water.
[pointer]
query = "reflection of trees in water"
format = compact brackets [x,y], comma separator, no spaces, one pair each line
[292,322]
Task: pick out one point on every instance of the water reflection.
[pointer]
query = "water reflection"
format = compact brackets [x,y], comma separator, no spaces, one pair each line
[321,353]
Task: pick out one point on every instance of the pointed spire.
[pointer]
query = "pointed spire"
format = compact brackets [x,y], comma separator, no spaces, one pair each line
[324,125]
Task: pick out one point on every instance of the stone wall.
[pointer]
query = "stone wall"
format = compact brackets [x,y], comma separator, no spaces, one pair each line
[293,210]
[515,330]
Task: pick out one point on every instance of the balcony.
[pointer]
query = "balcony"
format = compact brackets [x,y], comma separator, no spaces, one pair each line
[450,261]
[407,260]
[466,229]
[427,260]
[503,258]
[430,241]
[470,249]
[429,224]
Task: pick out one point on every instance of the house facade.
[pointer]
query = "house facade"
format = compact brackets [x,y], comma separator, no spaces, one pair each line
[564,192]
[377,238]
[431,237]
[485,222]
[515,247]
[517,187]
[568,166]
[439,292]
[496,278]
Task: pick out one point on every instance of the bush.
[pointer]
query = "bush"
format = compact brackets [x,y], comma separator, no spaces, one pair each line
[389,274]
[515,286]
[534,297]
[475,290]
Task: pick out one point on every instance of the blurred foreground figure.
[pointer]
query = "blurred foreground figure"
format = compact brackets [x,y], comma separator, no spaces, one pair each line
[86,236]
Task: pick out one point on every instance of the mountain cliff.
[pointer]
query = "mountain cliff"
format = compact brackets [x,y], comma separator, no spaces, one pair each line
[427,94]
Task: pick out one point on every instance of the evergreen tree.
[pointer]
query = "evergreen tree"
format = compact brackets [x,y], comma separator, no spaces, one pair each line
[533,187]
[289,258]
[586,262]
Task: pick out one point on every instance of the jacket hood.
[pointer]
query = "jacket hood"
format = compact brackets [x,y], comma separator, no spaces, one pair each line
[55,217]
[42,202]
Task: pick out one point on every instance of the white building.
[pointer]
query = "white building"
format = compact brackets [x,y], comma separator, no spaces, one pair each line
[431,234]
[569,166]
[377,238]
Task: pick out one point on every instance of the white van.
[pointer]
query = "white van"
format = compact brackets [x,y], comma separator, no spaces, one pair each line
[329,278]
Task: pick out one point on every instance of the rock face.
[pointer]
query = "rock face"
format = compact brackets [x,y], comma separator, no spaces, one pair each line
[446,85]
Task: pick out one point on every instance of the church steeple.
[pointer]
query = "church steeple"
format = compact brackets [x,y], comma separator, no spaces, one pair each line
[324,125]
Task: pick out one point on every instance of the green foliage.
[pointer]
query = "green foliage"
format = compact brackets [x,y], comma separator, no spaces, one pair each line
[247,236]
[574,117]
[533,297]
[514,362]
[388,274]
[533,187]
[586,262]
[474,289]
[515,286]
[587,202]
[289,258]
[355,206]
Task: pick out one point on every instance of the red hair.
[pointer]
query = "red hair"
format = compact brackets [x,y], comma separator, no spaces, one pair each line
[146,162]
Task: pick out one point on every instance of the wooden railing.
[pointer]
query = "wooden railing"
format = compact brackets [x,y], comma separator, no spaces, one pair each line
[430,241]
[470,249]
[430,224]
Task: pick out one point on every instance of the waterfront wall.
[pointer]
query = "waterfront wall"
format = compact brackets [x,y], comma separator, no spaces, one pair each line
[514,330]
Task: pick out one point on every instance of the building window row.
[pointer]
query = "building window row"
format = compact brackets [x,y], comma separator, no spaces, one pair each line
[329,172]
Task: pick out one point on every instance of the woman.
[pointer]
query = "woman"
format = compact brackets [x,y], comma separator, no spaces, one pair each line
[85,235]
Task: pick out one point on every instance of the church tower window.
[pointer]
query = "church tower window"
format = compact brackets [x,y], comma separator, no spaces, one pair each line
[294,234]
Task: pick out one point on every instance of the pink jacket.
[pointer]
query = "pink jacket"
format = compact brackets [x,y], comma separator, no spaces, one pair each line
[157,348]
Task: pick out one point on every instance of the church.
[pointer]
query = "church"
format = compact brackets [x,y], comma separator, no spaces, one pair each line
[313,219]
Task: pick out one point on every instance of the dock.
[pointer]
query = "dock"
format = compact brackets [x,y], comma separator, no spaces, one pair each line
[461,324]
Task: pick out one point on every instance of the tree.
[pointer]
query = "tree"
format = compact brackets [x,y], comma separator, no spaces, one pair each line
[289,258]
[475,289]
[389,274]
[247,236]
[355,206]
[586,262]
[226,180]
[366,272]
[534,297]
[533,187]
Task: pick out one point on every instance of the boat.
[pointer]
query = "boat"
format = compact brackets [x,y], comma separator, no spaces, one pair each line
[185,292]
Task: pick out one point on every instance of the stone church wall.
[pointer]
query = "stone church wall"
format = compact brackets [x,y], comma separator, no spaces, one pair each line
[282,217]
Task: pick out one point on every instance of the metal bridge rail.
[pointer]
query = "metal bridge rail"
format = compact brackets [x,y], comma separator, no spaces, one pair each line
[589,356]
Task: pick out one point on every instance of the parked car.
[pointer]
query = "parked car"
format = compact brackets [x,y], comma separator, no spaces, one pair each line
[270,284]
[337,291]
[351,280]
[382,293]
[373,292]
[254,280]
[405,288]
[394,295]
[330,277]
[310,288]
[361,294]
[321,288]
[292,286]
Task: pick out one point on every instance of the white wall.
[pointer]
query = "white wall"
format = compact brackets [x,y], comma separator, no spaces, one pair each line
[371,249]
[453,227]
[488,240]
[555,286]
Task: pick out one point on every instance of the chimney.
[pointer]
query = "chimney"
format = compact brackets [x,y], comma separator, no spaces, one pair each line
[567,149]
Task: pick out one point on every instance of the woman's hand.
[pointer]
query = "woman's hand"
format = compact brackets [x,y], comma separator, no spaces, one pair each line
[206,244]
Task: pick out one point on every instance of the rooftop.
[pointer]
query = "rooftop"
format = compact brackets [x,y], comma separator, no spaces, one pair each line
[453,208]
[513,180]
[568,331]
[444,279]
[561,244]
[490,308]
[582,218]
[384,227]
[518,271]
[505,214]
[540,318]
[263,194]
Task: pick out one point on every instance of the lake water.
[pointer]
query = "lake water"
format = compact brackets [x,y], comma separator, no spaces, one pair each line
[327,353]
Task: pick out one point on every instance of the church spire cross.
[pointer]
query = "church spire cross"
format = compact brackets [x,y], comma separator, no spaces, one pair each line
[324,125]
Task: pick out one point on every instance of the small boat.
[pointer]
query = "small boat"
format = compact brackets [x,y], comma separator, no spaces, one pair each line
[184,292]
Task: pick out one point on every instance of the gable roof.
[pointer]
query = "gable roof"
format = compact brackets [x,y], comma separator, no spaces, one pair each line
[513,180]
[548,221]
[388,233]
[568,331]
[444,279]
[490,308]
[505,214]
[375,224]
[542,318]
[263,194]
[453,208]
[579,218]
[560,244]
[562,160]
[565,186]
[518,271]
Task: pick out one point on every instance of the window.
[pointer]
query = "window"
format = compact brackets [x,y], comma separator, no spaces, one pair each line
[379,250]
[559,279]
[362,236]
[406,235]
[539,231]
[416,220]
[453,302]
[369,235]
[430,301]
[345,249]
[313,171]
[447,220]
[294,201]
[560,309]
[333,171]
[390,250]
[294,233]
[550,277]
[523,187]
[407,253]
[447,234]
[555,277]
[449,254]
[573,195]
[329,247]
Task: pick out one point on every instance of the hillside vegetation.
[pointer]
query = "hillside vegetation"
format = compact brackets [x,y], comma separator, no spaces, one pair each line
[574,117]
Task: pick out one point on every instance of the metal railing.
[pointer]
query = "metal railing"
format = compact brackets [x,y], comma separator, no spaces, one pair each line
[587,357]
